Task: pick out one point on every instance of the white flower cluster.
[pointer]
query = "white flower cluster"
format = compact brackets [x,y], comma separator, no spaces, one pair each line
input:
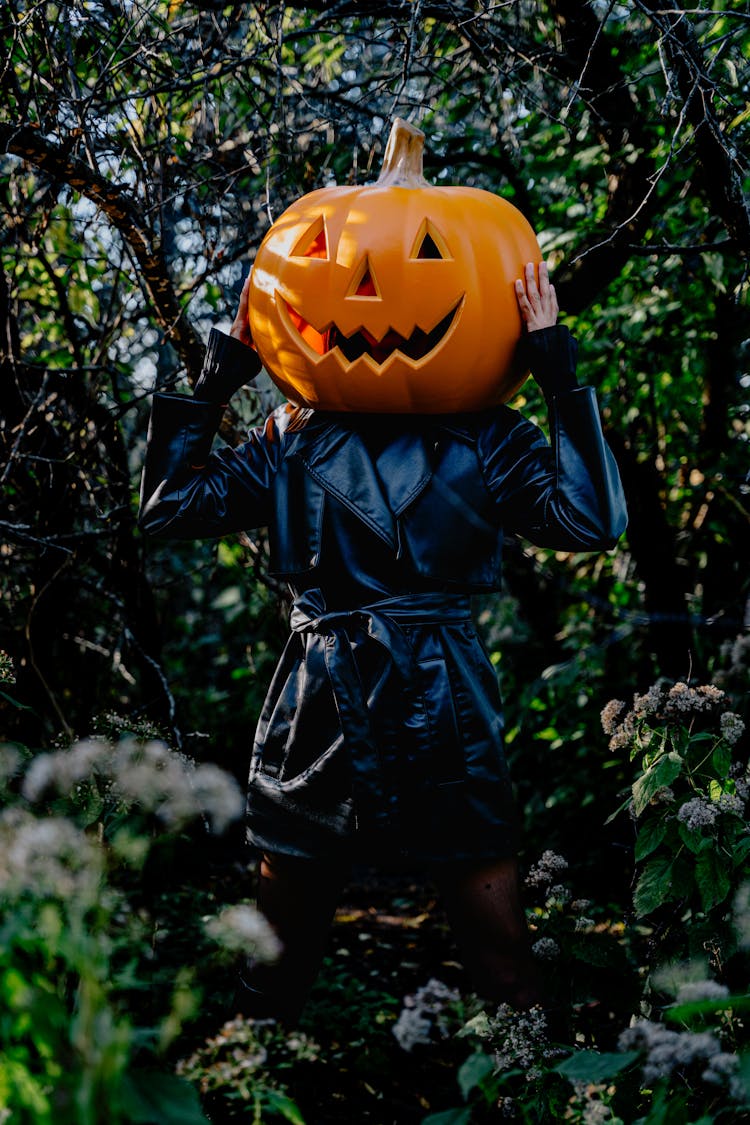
[681,698]
[610,715]
[243,1048]
[7,672]
[546,949]
[518,1039]
[623,734]
[10,763]
[588,1102]
[62,770]
[742,915]
[701,812]
[692,991]
[737,655]
[649,703]
[667,1051]
[544,873]
[48,856]
[697,813]
[741,781]
[731,803]
[149,774]
[665,703]
[508,1108]
[732,727]
[243,929]
[426,1010]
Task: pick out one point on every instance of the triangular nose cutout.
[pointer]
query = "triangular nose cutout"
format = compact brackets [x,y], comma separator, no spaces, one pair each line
[365,284]
[366,287]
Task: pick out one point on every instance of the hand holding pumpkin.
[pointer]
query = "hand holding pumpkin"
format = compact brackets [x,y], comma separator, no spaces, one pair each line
[538,304]
[241,327]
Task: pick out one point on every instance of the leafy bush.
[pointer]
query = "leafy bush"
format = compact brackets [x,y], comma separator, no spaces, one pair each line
[688,804]
[242,1064]
[649,1030]
[87,1022]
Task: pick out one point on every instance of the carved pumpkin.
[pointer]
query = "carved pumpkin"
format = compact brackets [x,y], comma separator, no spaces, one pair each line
[395,297]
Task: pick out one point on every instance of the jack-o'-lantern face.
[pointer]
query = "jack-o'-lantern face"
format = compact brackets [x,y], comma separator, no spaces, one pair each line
[395,297]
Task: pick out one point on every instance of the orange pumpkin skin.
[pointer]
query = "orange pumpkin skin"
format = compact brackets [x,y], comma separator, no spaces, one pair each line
[396,297]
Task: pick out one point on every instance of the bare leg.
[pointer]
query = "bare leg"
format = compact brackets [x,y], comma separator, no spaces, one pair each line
[299,899]
[483,903]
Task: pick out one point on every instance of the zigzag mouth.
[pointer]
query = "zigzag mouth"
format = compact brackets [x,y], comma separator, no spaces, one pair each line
[416,346]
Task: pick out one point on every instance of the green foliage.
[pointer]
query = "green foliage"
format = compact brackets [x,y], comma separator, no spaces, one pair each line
[619,130]
[688,801]
[245,1065]
[89,1014]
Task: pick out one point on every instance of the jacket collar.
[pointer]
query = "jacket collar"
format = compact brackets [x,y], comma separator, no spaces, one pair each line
[378,487]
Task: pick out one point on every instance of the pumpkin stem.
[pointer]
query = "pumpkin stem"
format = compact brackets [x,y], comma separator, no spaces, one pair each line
[402,163]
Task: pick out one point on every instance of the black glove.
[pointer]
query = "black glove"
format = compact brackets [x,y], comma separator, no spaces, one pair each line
[550,353]
[229,365]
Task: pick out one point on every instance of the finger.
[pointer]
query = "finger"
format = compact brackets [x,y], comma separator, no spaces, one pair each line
[544,282]
[523,301]
[530,278]
[245,295]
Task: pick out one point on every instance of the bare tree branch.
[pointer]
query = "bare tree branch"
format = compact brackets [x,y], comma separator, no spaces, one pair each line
[122,212]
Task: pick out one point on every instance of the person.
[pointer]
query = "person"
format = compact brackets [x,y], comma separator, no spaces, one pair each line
[381,735]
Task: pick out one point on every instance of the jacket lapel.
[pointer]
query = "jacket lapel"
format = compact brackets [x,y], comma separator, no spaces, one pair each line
[377,489]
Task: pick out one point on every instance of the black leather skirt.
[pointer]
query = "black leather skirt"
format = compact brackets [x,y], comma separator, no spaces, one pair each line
[381,738]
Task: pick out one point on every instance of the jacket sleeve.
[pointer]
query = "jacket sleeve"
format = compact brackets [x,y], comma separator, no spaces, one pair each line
[566,493]
[188,492]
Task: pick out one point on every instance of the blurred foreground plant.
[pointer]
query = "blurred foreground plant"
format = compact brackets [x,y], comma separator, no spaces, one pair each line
[77,828]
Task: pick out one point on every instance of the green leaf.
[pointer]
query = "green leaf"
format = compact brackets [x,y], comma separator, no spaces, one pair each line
[598,949]
[654,886]
[683,1013]
[9,699]
[153,1097]
[281,1103]
[662,773]
[693,839]
[712,877]
[650,835]
[721,759]
[625,804]
[449,1117]
[474,1071]
[593,1066]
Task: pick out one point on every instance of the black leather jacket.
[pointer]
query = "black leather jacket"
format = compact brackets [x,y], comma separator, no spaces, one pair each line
[383,720]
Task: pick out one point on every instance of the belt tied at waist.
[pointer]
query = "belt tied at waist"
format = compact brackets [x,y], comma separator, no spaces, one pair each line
[383,621]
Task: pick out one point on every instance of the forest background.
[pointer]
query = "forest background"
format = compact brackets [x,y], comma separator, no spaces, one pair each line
[147,148]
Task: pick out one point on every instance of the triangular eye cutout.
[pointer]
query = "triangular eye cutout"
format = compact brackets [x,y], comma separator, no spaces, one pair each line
[428,249]
[314,242]
[429,244]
